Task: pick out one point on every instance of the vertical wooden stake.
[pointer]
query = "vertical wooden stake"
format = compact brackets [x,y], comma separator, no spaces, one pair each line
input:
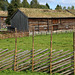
[74,47]
[15,64]
[51,52]
[32,49]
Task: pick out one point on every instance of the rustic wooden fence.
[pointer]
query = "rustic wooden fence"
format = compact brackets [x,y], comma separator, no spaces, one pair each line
[4,35]
[62,61]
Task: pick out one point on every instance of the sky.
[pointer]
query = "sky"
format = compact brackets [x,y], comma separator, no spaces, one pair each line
[53,3]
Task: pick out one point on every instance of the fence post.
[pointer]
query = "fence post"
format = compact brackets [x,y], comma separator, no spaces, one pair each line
[15,64]
[74,46]
[51,51]
[32,49]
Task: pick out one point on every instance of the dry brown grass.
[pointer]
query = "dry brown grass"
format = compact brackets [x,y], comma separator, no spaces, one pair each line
[3,13]
[32,12]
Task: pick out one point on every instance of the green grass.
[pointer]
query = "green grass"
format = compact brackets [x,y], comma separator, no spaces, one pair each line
[60,41]
[10,72]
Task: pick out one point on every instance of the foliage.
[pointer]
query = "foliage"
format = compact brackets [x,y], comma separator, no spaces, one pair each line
[47,5]
[58,7]
[34,4]
[69,8]
[11,72]
[64,8]
[10,13]
[25,4]
[72,7]
[3,5]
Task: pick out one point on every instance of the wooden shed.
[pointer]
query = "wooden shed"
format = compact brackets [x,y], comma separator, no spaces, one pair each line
[41,19]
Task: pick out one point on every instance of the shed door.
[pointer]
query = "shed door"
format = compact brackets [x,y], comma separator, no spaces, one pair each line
[55,27]
[54,21]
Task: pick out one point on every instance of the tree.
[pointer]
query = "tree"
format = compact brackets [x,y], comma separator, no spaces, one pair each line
[42,7]
[12,2]
[64,8]
[25,4]
[47,5]
[72,7]
[3,5]
[68,8]
[58,7]
[10,13]
[34,4]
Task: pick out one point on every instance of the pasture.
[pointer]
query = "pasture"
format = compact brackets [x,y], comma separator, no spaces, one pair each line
[60,41]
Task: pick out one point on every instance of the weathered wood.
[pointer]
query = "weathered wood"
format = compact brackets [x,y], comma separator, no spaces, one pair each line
[62,60]
[41,52]
[6,64]
[42,61]
[63,69]
[23,60]
[37,50]
[4,51]
[15,58]
[67,71]
[61,65]
[6,59]
[41,65]
[19,50]
[57,52]
[19,54]
[46,54]
[62,56]
[23,56]
[10,66]
[74,48]
[24,68]
[42,68]
[45,69]
[0,49]
[2,58]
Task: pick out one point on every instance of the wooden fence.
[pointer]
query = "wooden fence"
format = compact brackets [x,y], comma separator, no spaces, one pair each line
[62,61]
[4,35]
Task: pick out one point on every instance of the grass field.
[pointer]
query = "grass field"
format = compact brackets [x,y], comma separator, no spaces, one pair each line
[60,41]
[10,72]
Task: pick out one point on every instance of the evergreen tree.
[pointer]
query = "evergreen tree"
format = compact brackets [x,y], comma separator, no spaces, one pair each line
[12,2]
[34,4]
[3,5]
[25,4]
[58,7]
[47,5]
[10,13]
[64,8]
[68,8]
[72,7]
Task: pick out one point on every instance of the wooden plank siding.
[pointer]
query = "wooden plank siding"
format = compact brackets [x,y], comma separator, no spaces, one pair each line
[42,24]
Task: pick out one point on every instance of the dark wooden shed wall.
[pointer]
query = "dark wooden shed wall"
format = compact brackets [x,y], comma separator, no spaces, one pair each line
[20,21]
[59,23]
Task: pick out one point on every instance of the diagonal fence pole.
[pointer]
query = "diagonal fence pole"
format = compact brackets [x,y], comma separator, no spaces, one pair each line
[15,58]
[74,46]
[51,52]
[32,49]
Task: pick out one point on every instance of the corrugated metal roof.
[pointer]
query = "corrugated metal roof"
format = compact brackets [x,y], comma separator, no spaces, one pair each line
[32,12]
